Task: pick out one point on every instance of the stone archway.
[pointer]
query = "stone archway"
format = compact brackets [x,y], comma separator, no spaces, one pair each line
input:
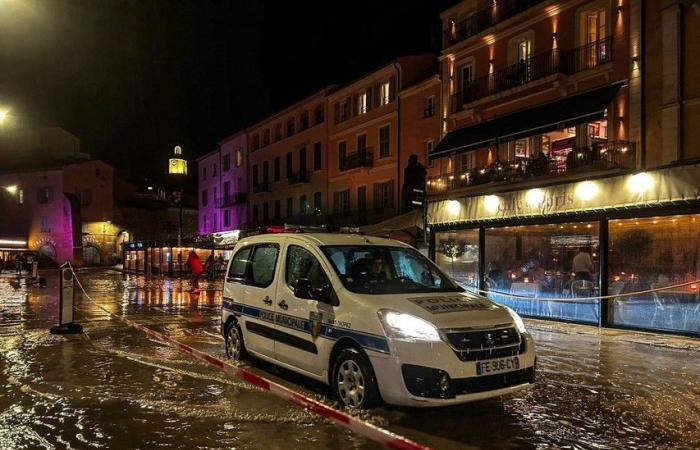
[46,254]
[91,256]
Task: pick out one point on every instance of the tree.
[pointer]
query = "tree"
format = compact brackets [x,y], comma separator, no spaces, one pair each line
[452,248]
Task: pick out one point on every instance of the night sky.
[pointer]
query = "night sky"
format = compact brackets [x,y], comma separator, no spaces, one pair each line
[133,78]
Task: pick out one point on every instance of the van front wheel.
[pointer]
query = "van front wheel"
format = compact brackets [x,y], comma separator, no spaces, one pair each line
[354,383]
[235,348]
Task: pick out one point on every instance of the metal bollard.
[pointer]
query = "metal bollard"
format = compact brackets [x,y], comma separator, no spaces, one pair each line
[66,303]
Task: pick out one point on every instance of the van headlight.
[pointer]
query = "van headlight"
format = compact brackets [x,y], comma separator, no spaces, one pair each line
[405,326]
[517,320]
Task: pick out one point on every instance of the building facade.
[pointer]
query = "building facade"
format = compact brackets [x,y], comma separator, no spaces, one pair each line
[288,163]
[564,185]
[364,139]
[223,186]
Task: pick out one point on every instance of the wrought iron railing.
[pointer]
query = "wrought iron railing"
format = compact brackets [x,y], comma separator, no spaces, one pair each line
[538,66]
[360,158]
[603,155]
[238,198]
[485,18]
[298,177]
[262,187]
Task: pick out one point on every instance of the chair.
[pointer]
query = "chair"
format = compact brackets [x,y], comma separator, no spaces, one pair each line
[528,290]
[663,303]
[615,289]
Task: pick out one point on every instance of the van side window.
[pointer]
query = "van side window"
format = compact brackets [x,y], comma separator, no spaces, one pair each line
[239,263]
[302,264]
[262,265]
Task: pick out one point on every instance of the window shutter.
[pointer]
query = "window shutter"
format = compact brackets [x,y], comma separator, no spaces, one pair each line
[336,111]
[377,196]
[354,104]
[377,93]
[368,94]
[392,88]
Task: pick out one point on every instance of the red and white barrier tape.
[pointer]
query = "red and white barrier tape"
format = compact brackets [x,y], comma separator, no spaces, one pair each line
[373,432]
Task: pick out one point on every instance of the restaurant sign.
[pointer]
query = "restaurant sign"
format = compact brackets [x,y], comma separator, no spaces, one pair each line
[658,187]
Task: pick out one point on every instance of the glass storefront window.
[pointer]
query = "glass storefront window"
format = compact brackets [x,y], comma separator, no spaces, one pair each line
[550,269]
[457,253]
[652,253]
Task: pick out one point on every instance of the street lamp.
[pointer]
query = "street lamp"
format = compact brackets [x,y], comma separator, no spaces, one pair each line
[177,166]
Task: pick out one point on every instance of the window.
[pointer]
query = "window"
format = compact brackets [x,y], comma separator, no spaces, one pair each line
[318,114]
[278,132]
[45,224]
[302,160]
[277,168]
[290,126]
[429,106]
[317,156]
[301,264]
[204,222]
[85,197]
[239,264]
[429,145]
[256,213]
[593,32]
[205,198]
[553,260]
[226,162]
[386,270]
[227,218]
[204,173]
[384,136]
[263,264]
[278,209]
[20,196]
[383,195]
[385,93]
[256,179]
[290,165]
[362,199]
[213,172]
[457,253]
[465,77]
[266,212]
[303,206]
[227,191]
[524,60]
[304,120]
[343,110]
[290,207]
[362,103]
[361,142]
[342,154]
[317,202]
[266,172]
[256,141]
[341,202]
[652,253]
[266,137]
[239,157]
[240,184]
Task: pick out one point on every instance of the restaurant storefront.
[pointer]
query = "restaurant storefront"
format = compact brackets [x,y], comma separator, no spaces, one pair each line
[620,251]
[167,258]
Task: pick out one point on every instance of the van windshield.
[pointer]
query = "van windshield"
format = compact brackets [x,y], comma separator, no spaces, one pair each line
[387,270]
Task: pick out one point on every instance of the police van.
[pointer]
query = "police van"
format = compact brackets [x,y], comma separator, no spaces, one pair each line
[371,317]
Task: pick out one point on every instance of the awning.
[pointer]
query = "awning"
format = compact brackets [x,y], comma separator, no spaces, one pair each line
[552,116]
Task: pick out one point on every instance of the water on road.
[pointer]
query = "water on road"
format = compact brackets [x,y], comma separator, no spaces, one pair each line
[113,387]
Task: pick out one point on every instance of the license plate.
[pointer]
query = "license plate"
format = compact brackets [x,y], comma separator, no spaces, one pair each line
[497,365]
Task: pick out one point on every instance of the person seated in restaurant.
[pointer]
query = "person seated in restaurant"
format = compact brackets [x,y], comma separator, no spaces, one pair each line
[495,272]
[572,158]
[541,165]
[582,265]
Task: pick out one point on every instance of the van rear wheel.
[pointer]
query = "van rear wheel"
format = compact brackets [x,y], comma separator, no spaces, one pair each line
[354,383]
[235,348]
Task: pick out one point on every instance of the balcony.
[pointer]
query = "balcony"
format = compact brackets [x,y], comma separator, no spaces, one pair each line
[484,19]
[539,66]
[361,158]
[239,198]
[601,156]
[262,187]
[298,177]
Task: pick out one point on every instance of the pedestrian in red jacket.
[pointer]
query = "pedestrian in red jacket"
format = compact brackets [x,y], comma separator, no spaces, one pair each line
[196,266]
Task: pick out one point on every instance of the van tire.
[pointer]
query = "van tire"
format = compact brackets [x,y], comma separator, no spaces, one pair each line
[233,342]
[354,383]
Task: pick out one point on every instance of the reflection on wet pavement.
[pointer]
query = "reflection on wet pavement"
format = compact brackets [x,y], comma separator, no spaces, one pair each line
[114,387]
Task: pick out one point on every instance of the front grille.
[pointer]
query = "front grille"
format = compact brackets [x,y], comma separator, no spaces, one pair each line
[483,339]
[474,385]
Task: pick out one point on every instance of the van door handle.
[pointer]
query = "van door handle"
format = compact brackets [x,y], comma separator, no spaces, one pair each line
[283,305]
[267,300]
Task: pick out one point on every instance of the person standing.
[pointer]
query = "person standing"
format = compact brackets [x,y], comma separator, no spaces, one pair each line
[582,265]
[195,265]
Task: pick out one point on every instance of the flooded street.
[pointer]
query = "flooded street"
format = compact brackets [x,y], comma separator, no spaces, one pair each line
[113,387]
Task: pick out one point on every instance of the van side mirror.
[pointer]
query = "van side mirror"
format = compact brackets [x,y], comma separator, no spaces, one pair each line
[303,289]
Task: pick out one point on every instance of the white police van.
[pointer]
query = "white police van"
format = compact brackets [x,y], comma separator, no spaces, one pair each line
[371,317]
